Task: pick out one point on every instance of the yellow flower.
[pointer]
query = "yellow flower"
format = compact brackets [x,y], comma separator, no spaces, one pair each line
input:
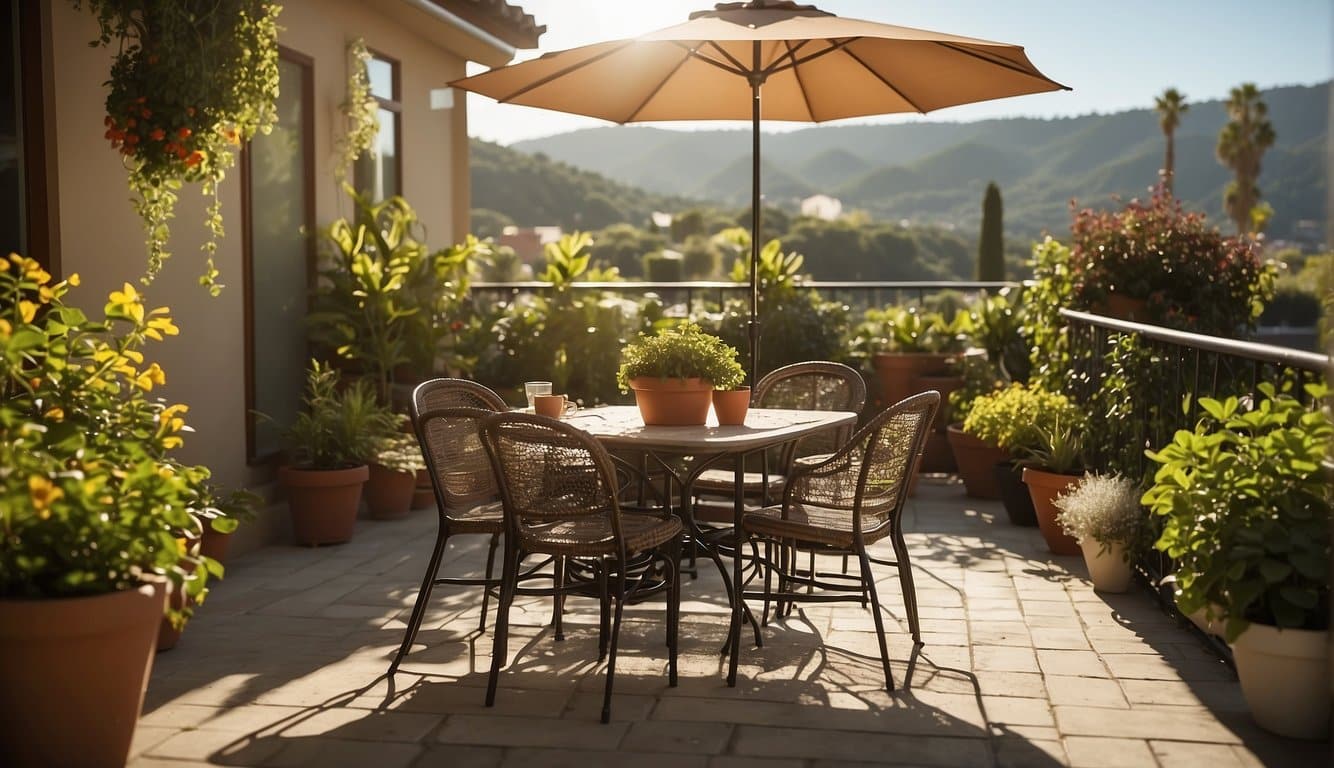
[127,302]
[4,265]
[5,328]
[171,420]
[43,494]
[73,279]
[55,413]
[158,326]
[27,310]
[152,375]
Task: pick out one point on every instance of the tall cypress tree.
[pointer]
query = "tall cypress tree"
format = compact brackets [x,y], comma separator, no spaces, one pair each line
[991,247]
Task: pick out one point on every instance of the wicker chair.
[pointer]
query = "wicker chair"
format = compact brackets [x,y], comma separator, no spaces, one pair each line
[446,414]
[840,506]
[819,386]
[559,489]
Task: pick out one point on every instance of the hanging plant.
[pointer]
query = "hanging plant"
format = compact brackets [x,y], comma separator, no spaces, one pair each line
[360,111]
[191,81]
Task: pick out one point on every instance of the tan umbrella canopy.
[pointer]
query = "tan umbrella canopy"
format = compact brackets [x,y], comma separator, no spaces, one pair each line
[810,65]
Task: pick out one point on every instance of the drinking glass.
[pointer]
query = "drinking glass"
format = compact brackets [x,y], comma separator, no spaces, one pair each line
[534,388]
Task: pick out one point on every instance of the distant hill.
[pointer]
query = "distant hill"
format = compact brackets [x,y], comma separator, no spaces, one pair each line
[535,190]
[935,172]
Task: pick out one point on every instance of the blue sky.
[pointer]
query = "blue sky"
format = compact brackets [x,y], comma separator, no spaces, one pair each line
[1116,55]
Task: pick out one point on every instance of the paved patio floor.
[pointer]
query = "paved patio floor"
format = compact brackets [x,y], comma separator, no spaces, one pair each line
[1023,664]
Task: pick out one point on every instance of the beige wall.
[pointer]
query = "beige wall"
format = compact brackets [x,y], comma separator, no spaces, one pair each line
[101,238]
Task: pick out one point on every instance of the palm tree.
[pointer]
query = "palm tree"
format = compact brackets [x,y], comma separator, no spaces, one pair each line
[1171,106]
[1241,144]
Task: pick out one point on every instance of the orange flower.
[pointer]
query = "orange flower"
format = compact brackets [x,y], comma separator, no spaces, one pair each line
[194,159]
[157,134]
[184,132]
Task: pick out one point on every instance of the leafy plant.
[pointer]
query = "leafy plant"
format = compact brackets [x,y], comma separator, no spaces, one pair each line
[399,452]
[1011,417]
[192,80]
[909,330]
[92,499]
[360,111]
[1055,444]
[339,425]
[1102,508]
[1246,510]
[685,352]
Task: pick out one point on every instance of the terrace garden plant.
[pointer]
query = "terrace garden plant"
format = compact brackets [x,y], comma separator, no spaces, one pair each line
[394,462]
[93,504]
[1245,505]
[1103,513]
[675,371]
[192,80]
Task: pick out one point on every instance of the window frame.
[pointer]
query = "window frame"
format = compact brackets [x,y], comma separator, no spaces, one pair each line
[307,65]
[393,104]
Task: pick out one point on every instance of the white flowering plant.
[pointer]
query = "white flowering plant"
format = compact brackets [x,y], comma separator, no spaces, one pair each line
[1104,508]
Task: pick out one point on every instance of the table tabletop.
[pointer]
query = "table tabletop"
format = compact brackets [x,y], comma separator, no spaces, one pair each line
[621,426]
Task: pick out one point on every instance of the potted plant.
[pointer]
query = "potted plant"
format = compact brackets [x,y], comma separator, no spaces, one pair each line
[392,480]
[1003,419]
[1052,447]
[1102,512]
[974,459]
[674,372]
[1245,507]
[904,344]
[91,504]
[327,445]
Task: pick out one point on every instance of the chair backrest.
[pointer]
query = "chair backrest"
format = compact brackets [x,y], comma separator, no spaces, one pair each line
[869,475]
[446,415]
[549,471]
[819,386]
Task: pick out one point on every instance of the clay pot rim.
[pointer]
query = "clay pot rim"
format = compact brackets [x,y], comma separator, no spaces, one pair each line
[670,383]
[305,477]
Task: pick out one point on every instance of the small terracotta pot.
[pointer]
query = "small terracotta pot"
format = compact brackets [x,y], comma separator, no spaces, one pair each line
[213,544]
[1126,308]
[897,374]
[731,405]
[72,676]
[168,635]
[673,402]
[389,492]
[1014,495]
[976,461]
[1044,488]
[323,502]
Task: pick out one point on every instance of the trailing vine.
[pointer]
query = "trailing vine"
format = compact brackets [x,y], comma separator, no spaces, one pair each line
[361,111]
[191,81]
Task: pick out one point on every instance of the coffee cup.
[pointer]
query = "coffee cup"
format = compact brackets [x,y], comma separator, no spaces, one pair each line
[554,406]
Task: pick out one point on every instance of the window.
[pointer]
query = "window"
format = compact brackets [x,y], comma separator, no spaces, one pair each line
[278,181]
[28,220]
[379,173]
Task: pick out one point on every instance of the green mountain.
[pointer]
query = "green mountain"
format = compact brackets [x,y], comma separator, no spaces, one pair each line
[934,172]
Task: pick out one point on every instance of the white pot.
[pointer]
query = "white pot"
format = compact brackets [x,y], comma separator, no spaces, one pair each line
[1285,678]
[1110,570]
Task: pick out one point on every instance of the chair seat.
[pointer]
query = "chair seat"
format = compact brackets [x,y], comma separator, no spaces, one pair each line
[592,535]
[811,523]
[482,518]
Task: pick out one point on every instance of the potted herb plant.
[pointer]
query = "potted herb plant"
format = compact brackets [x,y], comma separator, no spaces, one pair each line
[1052,462]
[674,373]
[1004,418]
[327,445]
[1102,512]
[91,505]
[392,481]
[1245,507]
[974,458]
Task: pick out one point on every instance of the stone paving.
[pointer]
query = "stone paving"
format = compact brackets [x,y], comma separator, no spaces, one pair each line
[1023,665]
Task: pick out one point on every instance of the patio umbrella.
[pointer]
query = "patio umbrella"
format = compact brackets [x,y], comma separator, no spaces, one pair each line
[809,66]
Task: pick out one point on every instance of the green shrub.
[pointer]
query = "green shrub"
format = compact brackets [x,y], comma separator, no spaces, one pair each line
[1011,418]
[681,353]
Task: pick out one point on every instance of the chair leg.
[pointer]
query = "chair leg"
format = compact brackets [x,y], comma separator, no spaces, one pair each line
[605,606]
[500,648]
[673,609]
[615,634]
[423,596]
[768,578]
[486,590]
[905,579]
[868,580]
[558,598]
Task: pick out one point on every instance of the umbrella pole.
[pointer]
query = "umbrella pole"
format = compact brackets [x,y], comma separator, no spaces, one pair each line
[756,80]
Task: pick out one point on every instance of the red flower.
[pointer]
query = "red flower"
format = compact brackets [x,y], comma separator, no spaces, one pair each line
[184,132]
[157,134]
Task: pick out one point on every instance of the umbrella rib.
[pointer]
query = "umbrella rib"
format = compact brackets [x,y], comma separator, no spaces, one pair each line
[801,86]
[563,72]
[791,55]
[834,45]
[737,67]
[661,83]
[999,62]
[882,79]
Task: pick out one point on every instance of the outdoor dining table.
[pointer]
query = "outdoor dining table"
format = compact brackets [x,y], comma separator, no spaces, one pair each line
[620,427]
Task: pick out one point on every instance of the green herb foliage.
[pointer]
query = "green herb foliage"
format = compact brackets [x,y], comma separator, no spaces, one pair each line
[685,352]
[339,425]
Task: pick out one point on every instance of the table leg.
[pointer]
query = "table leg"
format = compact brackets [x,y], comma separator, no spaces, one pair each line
[738,604]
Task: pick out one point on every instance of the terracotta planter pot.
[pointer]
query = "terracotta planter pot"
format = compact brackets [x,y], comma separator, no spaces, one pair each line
[1126,308]
[1014,495]
[1045,487]
[72,676]
[897,374]
[323,502]
[976,461]
[673,402]
[731,405]
[215,545]
[167,633]
[389,492]
[1284,676]
[1109,570]
[944,385]
[937,456]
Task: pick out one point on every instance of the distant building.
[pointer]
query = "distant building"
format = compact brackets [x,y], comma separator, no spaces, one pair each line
[528,242]
[822,207]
